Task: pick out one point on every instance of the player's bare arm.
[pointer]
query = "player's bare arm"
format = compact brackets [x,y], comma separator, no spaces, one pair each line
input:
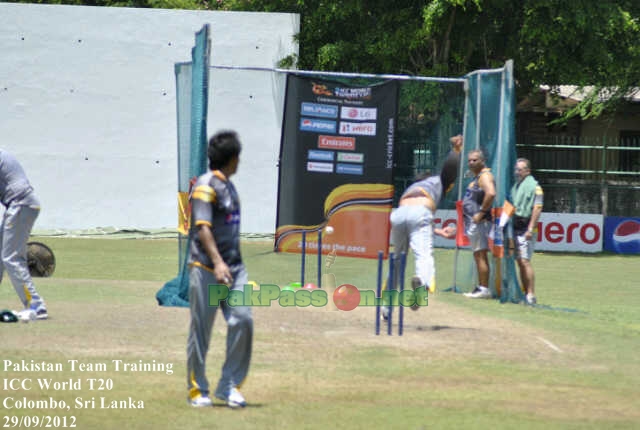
[456,143]
[449,232]
[220,268]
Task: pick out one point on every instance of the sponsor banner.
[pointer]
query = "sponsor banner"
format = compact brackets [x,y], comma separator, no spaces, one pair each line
[317,125]
[336,160]
[321,155]
[319,110]
[622,235]
[351,157]
[319,167]
[556,232]
[349,169]
[359,114]
[570,232]
[358,128]
[337,142]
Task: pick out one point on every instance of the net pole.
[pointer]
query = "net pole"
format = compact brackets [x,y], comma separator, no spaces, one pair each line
[501,148]
[501,182]
[342,74]
[454,287]
[478,107]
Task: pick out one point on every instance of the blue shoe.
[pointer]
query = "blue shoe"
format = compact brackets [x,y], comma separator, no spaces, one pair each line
[40,310]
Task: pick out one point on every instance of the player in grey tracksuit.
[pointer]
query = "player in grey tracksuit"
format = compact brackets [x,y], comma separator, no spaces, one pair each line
[21,210]
[412,221]
[215,260]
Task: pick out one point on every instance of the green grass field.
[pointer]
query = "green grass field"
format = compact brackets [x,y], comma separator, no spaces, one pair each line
[461,363]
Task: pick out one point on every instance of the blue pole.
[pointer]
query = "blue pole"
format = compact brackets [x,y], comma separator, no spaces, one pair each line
[304,257]
[403,262]
[319,258]
[391,286]
[378,292]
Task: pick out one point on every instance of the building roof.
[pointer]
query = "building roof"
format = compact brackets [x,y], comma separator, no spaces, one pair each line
[559,98]
[577,93]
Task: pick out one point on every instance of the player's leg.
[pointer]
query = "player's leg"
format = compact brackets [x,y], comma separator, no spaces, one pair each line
[239,344]
[399,240]
[18,223]
[421,243]
[4,216]
[478,234]
[524,252]
[201,324]
[482,264]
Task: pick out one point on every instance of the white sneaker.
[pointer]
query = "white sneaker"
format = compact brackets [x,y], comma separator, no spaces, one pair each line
[531,300]
[234,399]
[384,313]
[27,315]
[479,293]
[201,402]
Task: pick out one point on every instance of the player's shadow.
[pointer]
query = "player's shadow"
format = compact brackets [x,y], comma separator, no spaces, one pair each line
[442,327]
[249,406]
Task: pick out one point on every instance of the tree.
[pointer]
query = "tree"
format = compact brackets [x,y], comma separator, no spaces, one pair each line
[553,42]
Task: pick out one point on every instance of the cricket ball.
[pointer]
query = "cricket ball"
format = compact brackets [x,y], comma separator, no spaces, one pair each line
[346,297]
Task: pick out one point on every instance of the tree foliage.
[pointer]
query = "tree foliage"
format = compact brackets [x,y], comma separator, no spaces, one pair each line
[553,42]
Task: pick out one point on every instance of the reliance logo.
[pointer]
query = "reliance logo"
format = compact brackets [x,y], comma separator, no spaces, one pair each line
[319,110]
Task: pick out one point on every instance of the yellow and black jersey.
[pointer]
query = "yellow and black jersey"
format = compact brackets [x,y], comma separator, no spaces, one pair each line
[215,203]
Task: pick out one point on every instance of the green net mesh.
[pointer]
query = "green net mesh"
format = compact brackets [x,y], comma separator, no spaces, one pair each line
[489,125]
[192,89]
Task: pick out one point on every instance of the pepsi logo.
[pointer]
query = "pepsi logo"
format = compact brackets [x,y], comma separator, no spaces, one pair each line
[626,236]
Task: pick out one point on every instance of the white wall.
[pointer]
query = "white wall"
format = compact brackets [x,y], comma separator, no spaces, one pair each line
[87,104]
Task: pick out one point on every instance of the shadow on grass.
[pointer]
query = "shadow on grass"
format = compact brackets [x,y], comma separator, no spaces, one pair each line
[443,327]
[248,406]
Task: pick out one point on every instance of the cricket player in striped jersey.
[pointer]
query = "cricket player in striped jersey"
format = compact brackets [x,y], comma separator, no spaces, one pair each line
[215,259]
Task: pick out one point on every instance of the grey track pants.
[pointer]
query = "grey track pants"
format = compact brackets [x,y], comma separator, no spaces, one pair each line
[17,223]
[239,333]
